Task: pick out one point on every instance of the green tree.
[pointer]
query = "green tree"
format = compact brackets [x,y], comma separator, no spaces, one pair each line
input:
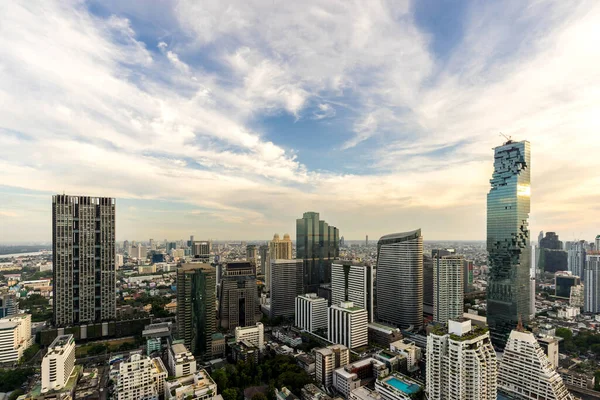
[259,396]
[12,379]
[15,394]
[230,394]
[220,378]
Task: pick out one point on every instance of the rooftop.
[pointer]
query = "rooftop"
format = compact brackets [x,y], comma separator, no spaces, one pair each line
[402,384]
[399,237]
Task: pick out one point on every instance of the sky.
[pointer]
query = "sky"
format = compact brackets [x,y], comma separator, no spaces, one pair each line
[229,119]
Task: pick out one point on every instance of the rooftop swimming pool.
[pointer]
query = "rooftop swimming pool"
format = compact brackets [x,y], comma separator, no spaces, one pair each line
[408,388]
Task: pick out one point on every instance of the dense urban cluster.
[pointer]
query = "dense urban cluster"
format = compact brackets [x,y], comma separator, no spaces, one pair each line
[316,318]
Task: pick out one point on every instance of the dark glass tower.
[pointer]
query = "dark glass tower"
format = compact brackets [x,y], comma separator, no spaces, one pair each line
[509,252]
[317,244]
[83,259]
[238,296]
[196,319]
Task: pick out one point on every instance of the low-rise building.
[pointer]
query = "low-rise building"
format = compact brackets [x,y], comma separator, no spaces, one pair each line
[181,360]
[58,363]
[398,387]
[140,377]
[364,393]
[253,334]
[285,394]
[197,386]
[218,345]
[359,373]
[383,335]
[245,351]
[328,359]
[312,392]
[410,350]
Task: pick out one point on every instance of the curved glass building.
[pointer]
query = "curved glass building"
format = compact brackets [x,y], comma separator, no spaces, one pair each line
[400,279]
[509,252]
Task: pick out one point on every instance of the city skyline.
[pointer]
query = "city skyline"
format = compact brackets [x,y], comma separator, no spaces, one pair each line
[199,121]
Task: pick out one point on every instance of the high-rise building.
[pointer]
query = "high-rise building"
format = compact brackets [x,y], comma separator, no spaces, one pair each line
[552,257]
[252,255]
[15,337]
[367,240]
[265,264]
[597,243]
[591,288]
[400,271]
[58,363]
[8,304]
[327,360]
[461,363]
[525,372]
[551,241]
[141,377]
[576,258]
[563,282]
[508,207]
[348,325]
[83,258]
[281,249]
[285,285]
[201,249]
[311,312]
[448,289]
[317,244]
[427,285]
[352,282]
[196,322]
[467,275]
[577,296]
[238,296]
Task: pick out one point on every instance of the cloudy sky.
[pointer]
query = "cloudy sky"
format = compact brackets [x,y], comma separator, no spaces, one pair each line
[228,119]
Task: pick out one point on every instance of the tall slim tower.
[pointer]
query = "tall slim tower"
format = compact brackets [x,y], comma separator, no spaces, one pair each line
[400,279]
[196,319]
[592,283]
[352,282]
[448,288]
[286,284]
[509,250]
[83,256]
[238,296]
[317,244]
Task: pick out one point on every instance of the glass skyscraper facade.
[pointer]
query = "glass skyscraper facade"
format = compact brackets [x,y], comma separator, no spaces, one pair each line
[317,244]
[509,250]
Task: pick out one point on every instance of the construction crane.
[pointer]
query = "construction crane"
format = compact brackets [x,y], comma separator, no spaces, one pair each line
[508,138]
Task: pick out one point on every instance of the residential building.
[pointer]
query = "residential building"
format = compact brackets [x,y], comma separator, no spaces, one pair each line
[576,257]
[285,394]
[577,297]
[348,325]
[317,244]
[286,284]
[8,304]
[359,373]
[525,372]
[550,346]
[398,387]
[265,265]
[448,288]
[467,275]
[352,282]
[253,334]
[218,345]
[196,320]
[244,351]
[400,270]
[140,377]
[238,296]
[281,249]
[410,350]
[197,386]
[83,259]
[15,337]
[592,283]
[312,392]
[58,363]
[181,360]
[468,353]
[311,312]
[329,359]
[427,285]
[508,246]
[201,249]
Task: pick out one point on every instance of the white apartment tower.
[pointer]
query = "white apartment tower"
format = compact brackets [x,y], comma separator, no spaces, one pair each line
[461,363]
[448,288]
[254,334]
[352,282]
[141,378]
[15,337]
[311,312]
[526,372]
[327,360]
[58,363]
[348,325]
[591,285]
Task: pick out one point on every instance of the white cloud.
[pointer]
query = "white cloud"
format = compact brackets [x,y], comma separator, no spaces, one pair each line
[324,111]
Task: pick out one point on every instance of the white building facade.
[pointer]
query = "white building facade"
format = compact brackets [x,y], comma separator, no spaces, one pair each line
[253,334]
[353,282]
[141,378]
[592,284]
[448,288]
[58,363]
[348,325]
[15,337]
[311,312]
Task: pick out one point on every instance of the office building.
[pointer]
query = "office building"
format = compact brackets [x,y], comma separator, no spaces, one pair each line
[329,359]
[200,249]
[576,258]
[428,285]
[15,337]
[359,373]
[281,249]
[591,288]
[255,335]
[383,335]
[348,325]
[448,289]
[509,258]
[466,351]
[83,258]
[400,270]
[196,298]
[238,296]
[398,387]
[140,377]
[550,241]
[263,252]
[525,372]
[311,312]
[252,255]
[181,360]
[352,282]
[317,244]
[286,283]
[8,304]
[58,363]
[563,282]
